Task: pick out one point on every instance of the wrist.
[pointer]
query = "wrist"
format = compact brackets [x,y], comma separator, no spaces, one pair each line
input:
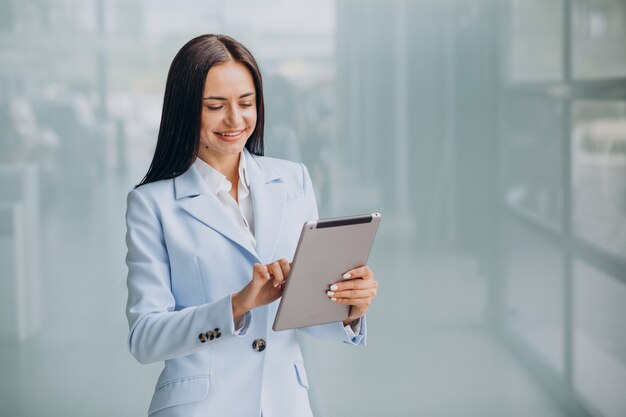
[238,308]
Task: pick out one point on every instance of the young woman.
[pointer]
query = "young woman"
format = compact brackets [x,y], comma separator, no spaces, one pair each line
[209,232]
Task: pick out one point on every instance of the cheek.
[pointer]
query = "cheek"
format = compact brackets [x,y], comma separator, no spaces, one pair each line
[207,123]
[250,117]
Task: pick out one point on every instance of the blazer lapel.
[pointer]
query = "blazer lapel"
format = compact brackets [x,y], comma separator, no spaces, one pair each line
[195,198]
[268,202]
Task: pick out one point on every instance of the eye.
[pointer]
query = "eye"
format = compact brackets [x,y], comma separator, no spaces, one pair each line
[214,107]
[246,104]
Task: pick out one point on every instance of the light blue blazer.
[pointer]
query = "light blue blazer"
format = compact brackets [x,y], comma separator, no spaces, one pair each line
[185,259]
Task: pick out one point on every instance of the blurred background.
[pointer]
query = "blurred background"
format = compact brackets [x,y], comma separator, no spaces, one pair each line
[491,134]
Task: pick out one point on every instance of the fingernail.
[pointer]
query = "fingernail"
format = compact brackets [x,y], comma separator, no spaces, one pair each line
[334,287]
[267,276]
[333,299]
[276,285]
[330,293]
[346,276]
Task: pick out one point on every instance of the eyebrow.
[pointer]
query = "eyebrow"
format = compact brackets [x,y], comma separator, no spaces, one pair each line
[224,98]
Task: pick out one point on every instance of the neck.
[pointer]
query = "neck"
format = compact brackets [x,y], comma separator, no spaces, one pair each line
[227,165]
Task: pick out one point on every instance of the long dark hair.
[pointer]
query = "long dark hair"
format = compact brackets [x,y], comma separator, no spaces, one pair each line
[179,133]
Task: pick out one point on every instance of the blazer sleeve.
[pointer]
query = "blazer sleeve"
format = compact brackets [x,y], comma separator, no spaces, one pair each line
[156,331]
[331,331]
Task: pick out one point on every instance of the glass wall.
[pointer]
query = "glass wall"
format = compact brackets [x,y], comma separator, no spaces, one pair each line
[490,134]
[563,183]
[599,174]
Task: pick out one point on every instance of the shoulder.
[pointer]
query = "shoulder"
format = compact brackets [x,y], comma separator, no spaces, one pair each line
[152,194]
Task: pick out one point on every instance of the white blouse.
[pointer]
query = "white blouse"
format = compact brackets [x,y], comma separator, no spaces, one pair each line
[240,212]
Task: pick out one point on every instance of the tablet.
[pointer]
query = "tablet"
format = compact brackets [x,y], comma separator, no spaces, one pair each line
[326,250]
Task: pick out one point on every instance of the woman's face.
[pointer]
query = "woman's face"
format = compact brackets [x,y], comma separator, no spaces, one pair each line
[228,112]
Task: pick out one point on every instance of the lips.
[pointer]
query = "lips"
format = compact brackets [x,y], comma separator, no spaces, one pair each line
[230,135]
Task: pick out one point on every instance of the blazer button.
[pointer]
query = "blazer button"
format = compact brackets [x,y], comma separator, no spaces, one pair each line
[202,337]
[210,335]
[258,345]
[216,332]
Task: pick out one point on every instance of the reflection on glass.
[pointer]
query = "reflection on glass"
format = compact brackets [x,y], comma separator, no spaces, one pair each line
[599,173]
[534,293]
[535,40]
[599,38]
[599,361]
[20,301]
[531,159]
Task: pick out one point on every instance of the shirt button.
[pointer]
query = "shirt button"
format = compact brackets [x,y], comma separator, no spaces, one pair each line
[258,345]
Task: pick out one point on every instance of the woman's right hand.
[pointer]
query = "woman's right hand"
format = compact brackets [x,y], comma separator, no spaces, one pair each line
[265,287]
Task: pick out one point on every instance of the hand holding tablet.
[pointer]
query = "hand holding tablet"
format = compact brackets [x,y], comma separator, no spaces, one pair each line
[327,250]
[358,289]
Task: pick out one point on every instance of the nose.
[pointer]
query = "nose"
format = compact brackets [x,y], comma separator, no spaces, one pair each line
[234,117]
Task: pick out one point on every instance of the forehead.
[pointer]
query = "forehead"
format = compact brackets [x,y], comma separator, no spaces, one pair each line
[229,78]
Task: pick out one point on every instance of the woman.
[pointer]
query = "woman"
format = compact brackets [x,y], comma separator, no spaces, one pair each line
[209,232]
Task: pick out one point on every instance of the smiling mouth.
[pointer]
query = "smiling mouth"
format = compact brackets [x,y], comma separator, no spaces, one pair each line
[231,134]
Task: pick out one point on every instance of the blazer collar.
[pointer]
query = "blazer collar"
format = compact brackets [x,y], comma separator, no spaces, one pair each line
[268,201]
[189,184]
[256,166]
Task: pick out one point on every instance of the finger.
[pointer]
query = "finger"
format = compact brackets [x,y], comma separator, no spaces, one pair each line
[277,273]
[360,303]
[363,272]
[354,284]
[285,266]
[355,294]
[260,273]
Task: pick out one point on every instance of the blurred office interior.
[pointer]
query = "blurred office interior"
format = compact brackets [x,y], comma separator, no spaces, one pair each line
[491,134]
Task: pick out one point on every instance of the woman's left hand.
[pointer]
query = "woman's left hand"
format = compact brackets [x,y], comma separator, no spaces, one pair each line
[358,289]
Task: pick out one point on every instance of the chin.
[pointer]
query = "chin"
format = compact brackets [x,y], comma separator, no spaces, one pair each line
[235,148]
